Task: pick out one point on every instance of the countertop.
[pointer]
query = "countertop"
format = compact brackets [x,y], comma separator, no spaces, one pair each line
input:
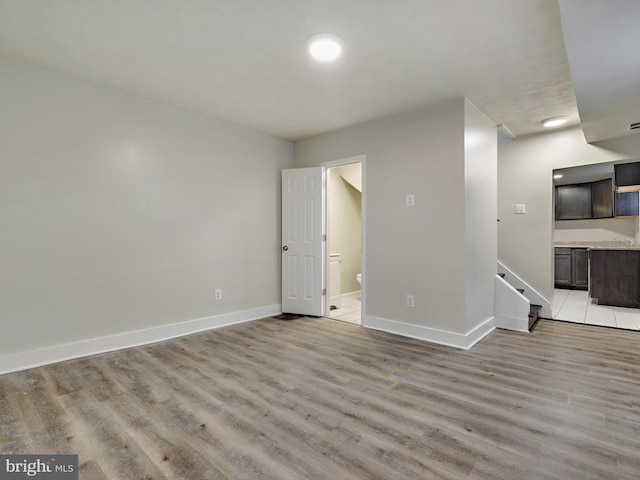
[612,245]
[615,248]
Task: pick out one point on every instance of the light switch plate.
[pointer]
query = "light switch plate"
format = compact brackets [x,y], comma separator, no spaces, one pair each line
[520,208]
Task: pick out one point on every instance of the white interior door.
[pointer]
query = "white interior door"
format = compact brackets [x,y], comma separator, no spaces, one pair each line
[303,241]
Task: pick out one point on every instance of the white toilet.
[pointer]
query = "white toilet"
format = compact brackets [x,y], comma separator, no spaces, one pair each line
[359,278]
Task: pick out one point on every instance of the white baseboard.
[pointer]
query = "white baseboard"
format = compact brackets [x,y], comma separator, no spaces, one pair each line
[59,353]
[442,337]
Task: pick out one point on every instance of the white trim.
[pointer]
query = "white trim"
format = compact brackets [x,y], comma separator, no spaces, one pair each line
[345,161]
[363,223]
[58,353]
[442,337]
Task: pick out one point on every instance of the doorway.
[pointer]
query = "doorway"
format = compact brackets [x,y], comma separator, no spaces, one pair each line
[584,219]
[344,227]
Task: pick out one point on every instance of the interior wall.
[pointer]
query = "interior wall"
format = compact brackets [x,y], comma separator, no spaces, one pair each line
[416,250]
[481,212]
[345,223]
[525,171]
[119,214]
[352,173]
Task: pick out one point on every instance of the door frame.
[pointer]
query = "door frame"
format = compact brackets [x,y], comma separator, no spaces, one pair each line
[363,222]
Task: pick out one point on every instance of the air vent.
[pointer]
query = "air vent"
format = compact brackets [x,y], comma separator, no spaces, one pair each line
[634,126]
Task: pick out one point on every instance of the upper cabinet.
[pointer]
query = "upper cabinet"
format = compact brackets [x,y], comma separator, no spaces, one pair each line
[627,204]
[597,191]
[627,180]
[573,202]
[627,174]
[585,200]
[602,198]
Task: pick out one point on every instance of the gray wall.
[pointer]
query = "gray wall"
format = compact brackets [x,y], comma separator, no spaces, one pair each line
[420,250]
[525,171]
[481,211]
[118,214]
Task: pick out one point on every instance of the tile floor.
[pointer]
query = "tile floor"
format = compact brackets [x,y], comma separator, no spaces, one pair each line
[575,306]
[349,310]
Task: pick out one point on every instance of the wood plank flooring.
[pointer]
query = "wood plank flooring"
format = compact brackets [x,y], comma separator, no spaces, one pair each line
[321,399]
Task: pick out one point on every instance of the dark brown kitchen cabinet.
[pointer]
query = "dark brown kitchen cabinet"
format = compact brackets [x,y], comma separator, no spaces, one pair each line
[563,267]
[571,268]
[580,267]
[627,204]
[615,277]
[573,202]
[602,198]
[627,174]
[582,201]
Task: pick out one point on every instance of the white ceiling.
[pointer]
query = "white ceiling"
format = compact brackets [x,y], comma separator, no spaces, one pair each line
[244,60]
[602,39]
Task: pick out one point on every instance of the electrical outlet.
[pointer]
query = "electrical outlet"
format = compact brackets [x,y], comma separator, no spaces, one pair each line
[411,200]
[410,302]
[218,294]
[520,208]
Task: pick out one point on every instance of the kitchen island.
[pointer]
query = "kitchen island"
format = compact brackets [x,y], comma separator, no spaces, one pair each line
[614,276]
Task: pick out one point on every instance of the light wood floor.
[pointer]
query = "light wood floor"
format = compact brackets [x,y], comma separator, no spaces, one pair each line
[321,399]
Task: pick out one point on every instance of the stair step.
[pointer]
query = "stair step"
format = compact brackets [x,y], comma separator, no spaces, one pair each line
[502,275]
[534,312]
[521,290]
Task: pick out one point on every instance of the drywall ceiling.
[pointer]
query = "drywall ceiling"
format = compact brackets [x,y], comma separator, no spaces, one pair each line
[244,60]
[602,39]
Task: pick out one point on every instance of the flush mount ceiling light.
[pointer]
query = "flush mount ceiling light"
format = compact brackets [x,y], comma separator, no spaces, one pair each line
[554,122]
[325,47]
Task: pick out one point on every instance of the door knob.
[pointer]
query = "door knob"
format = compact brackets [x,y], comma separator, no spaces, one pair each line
[285,248]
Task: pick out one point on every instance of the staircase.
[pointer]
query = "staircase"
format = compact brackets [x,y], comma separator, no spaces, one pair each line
[534,310]
[514,311]
[534,313]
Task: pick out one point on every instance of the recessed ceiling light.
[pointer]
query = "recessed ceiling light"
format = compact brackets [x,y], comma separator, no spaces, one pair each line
[557,175]
[325,47]
[555,122]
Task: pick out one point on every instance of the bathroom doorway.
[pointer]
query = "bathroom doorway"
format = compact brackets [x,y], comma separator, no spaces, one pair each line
[344,216]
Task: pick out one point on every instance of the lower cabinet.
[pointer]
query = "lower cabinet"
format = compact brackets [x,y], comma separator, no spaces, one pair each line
[563,267]
[580,267]
[571,268]
[615,277]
